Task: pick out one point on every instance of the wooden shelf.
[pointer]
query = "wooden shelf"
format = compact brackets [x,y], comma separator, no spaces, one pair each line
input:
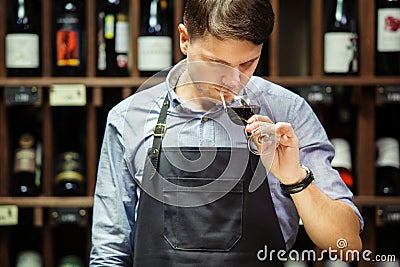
[375,201]
[107,82]
[48,202]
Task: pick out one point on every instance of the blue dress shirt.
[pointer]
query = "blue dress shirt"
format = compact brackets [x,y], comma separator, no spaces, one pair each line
[129,135]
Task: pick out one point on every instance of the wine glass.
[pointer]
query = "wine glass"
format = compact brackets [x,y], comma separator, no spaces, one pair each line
[263,140]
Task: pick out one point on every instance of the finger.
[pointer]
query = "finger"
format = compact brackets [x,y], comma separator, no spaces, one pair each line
[285,128]
[287,134]
[259,118]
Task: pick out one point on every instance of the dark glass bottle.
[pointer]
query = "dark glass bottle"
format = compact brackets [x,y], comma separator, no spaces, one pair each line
[70,261]
[388,37]
[69,38]
[113,38]
[341,41]
[387,167]
[27,162]
[69,149]
[23,38]
[155,44]
[27,240]
[69,175]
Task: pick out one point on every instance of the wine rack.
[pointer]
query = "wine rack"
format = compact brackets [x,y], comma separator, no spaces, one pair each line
[300,33]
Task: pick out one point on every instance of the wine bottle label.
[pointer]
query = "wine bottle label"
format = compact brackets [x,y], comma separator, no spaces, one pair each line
[22,95]
[388,152]
[25,160]
[68,48]
[29,258]
[22,50]
[342,153]
[8,215]
[154,53]
[67,95]
[388,30]
[122,37]
[101,44]
[339,52]
[109,21]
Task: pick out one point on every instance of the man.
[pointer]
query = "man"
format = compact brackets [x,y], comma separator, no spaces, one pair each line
[154,207]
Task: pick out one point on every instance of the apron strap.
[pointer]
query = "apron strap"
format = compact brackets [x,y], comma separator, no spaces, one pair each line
[158,133]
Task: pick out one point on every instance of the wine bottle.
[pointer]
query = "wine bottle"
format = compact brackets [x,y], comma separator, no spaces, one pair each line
[69,177]
[28,240]
[26,174]
[113,39]
[69,39]
[29,258]
[23,38]
[342,161]
[341,42]
[388,37]
[387,167]
[155,41]
[70,261]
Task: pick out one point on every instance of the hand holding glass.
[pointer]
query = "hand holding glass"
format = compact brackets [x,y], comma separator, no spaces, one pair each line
[263,140]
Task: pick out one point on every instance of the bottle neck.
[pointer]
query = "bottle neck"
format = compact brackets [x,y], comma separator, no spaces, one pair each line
[153,20]
[340,13]
[21,14]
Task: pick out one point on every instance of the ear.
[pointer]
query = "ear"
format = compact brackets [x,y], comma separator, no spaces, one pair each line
[183,39]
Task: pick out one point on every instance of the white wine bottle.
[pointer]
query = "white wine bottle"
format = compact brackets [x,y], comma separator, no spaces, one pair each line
[155,51]
[23,38]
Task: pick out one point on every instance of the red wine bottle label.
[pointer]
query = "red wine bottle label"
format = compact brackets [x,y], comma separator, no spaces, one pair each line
[68,48]
[101,44]
[342,160]
[388,152]
[25,160]
[339,51]
[122,40]
[22,50]
[388,31]
[154,53]
[342,153]
[122,34]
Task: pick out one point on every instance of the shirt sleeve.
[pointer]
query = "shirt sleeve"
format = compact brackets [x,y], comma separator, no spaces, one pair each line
[114,201]
[317,152]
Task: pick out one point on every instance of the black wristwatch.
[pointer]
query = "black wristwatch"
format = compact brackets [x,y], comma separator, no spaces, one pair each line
[295,188]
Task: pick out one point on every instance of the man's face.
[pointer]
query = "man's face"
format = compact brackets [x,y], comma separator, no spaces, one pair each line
[228,63]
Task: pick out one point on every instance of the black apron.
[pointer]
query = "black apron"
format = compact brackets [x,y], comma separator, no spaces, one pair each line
[205,217]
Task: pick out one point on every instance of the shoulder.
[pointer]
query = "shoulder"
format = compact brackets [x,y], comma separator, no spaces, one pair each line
[274,90]
[280,103]
[142,99]
[136,106]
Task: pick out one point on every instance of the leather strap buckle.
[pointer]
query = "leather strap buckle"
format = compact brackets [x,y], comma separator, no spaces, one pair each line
[159,130]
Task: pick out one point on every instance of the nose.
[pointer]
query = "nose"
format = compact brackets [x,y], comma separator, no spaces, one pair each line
[231,79]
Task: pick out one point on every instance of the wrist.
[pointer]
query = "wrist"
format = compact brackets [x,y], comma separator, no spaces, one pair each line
[302,183]
[300,174]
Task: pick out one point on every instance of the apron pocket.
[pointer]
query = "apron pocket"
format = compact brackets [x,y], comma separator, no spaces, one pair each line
[213,226]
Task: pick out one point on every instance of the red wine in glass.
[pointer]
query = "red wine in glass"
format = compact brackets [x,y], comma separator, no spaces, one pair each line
[240,114]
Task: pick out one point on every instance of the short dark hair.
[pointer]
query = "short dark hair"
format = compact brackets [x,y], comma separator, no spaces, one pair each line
[251,20]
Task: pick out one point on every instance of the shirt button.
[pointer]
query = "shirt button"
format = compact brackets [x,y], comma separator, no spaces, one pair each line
[205,118]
